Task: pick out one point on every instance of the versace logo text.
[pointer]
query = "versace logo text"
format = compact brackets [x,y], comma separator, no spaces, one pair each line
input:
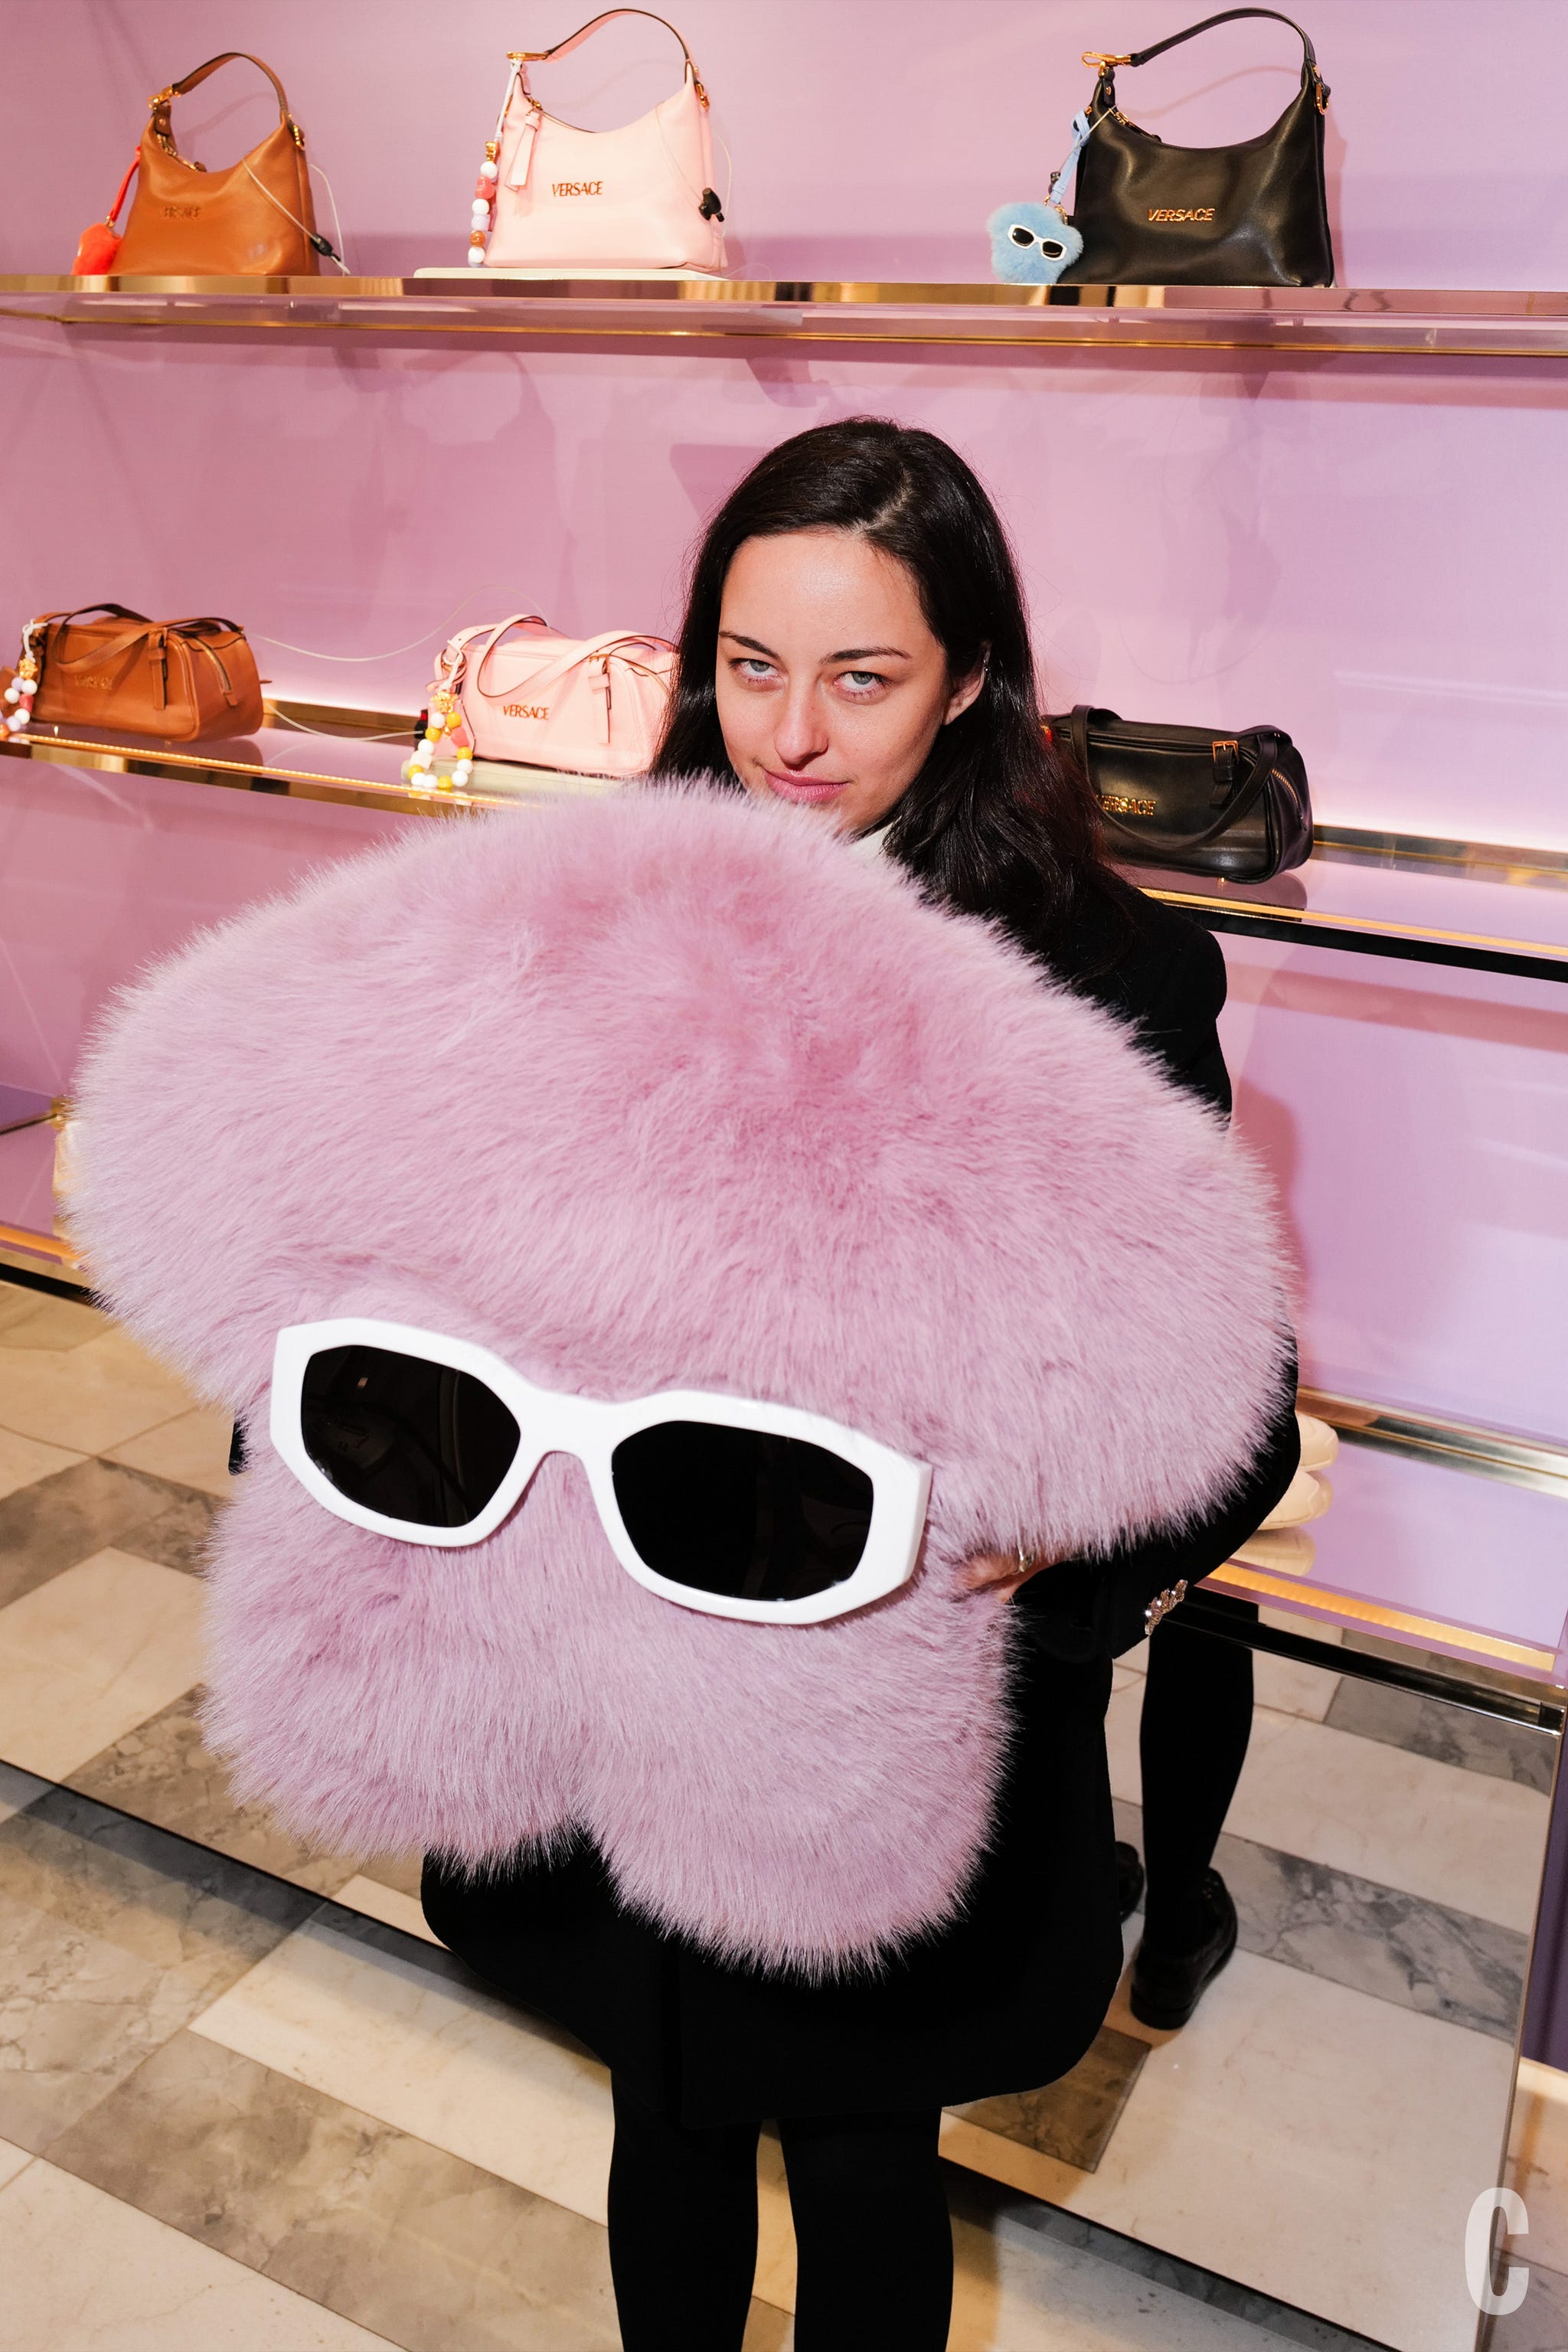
[1126,804]
[577,187]
[182,212]
[1182,213]
[104,682]
[525,709]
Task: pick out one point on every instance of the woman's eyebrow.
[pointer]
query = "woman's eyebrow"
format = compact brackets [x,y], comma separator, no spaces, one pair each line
[848,653]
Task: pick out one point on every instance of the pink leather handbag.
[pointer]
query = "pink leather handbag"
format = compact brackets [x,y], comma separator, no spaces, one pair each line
[594,706]
[641,197]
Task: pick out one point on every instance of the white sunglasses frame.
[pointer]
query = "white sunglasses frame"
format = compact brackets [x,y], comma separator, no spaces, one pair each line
[553,1422]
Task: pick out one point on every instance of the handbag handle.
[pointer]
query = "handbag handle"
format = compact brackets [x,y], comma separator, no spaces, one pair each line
[539,56]
[1107,64]
[588,649]
[163,129]
[1266,752]
[156,634]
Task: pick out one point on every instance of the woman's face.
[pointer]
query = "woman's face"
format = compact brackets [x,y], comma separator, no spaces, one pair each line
[832,688]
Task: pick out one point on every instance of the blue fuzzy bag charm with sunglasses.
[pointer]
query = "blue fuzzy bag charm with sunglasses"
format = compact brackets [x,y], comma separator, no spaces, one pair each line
[1033,243]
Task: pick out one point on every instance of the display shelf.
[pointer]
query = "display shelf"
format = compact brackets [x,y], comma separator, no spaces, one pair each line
[1403,324]
[1456,903]
[1422,1551]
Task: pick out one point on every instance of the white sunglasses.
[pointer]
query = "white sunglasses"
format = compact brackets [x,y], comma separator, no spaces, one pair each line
[740,1509]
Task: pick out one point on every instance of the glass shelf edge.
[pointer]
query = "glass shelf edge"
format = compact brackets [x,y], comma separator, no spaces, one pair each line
[1403,323]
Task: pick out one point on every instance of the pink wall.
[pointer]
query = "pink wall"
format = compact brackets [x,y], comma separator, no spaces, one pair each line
[871,137]
[1371,554]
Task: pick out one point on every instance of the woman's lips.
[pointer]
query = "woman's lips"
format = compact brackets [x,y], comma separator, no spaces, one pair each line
[803,788]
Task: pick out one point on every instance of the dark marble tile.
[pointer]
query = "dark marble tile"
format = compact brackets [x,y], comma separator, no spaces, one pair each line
[1541,2323]
[113,1937]
[1449,1735]
[162,1771]
[55,1522]
[378,2226]
[1376,1940]
[178,1534]
[1006,2212]
[1072,2119]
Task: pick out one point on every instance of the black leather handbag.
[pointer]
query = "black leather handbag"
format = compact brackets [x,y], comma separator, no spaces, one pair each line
[1152,214]
[1194,802]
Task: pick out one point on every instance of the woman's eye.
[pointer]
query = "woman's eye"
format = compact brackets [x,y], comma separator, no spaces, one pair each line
[752,665]
[861,681]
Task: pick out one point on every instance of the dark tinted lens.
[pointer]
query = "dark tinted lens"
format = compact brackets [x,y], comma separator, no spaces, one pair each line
[411,1439]
[741,1512]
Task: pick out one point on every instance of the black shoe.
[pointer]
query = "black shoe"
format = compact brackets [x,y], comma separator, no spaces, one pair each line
[1129,1879]
[1168,1986]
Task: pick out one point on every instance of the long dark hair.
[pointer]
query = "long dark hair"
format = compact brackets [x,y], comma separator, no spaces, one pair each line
[999,821]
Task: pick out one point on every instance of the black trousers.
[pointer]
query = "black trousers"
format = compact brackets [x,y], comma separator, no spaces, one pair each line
[872,2234]
[1196,1721]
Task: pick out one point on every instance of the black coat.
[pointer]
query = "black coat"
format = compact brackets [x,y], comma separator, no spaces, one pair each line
[1012,1994]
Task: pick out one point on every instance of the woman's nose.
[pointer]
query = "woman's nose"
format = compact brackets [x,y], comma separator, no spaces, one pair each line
[801,735]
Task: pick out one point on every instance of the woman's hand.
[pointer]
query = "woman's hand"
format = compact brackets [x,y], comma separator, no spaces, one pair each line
[1005,1572]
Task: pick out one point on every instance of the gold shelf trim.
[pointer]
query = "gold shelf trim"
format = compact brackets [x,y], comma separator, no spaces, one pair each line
[1311,919]
[1336,1606]
[1533,1462]
[1402,323]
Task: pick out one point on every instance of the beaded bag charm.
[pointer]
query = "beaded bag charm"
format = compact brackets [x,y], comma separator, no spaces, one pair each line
[483,219]
[445,722]
[23,686]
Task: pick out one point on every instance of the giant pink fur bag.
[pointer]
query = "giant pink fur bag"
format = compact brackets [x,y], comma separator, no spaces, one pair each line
[671,1091]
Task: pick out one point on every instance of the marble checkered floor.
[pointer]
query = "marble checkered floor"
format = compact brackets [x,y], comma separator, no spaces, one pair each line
[246,2101]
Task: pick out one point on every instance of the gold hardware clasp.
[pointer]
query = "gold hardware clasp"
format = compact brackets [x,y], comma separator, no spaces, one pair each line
[1096,57]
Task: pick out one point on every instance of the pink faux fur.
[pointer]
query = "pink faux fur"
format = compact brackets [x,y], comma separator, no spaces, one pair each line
[670,1090]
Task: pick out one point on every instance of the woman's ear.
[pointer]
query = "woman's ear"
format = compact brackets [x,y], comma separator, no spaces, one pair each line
[968,690]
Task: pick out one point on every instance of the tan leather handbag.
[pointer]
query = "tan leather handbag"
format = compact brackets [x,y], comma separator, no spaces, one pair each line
[252,219]
[181,681]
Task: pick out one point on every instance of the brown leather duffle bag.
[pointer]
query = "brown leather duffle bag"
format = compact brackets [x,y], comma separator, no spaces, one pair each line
[252,219]
[181,681]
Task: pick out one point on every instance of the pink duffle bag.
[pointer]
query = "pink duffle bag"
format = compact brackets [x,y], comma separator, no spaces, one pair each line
[594,706]
[641,197]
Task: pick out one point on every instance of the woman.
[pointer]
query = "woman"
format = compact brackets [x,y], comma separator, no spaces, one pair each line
[855,641]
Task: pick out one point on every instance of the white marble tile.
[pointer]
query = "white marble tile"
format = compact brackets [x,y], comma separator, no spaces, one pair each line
[1538,2162]
[436,2059]
[387,1903]
[12,2160]
[91,1654]
[1292,1689]
[88,1397]
[449,2065]
[84,2273]
[192,1450]
[35,1320]
[1459,1838]
[24,1460]
[1304,2140]
[17,1789]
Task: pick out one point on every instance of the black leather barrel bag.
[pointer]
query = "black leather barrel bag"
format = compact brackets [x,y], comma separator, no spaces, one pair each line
[1191,801]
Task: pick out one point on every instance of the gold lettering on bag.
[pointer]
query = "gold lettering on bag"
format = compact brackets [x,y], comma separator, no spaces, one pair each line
[577,187]
[105,683]
[525,710]
[1182,213]
[1127,805]
[182,212]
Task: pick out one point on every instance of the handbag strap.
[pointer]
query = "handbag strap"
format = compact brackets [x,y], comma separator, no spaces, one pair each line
[163,129]
[1264,747]
[539,56]
[584,650]
[1107,64]
[155,635]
